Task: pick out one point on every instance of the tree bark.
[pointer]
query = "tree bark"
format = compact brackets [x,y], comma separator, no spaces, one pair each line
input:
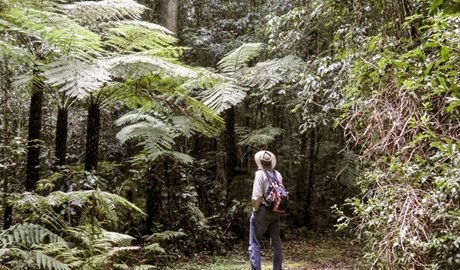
[167,13]
[33,145]
[92,136]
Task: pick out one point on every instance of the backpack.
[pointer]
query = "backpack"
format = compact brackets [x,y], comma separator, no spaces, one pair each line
[277,196]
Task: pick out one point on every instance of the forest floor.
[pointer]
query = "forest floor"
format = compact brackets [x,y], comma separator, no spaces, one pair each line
[320,253]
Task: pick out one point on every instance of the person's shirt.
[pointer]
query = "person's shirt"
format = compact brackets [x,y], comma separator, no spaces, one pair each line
[260,187]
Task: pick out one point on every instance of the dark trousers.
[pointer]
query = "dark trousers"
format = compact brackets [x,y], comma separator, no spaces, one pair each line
[259,223]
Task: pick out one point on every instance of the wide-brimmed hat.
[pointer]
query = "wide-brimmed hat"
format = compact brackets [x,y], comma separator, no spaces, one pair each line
[265,160]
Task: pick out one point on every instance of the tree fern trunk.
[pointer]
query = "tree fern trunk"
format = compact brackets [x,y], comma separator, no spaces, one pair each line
[33,145]
[92,136]
[61,136]
[231,158]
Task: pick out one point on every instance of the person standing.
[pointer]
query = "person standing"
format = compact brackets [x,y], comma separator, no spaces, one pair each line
[262,218]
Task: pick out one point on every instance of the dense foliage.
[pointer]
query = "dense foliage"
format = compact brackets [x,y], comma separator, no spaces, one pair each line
[124,144]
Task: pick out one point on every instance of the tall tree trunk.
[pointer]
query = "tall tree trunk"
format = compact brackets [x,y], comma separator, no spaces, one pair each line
[231,157]
[61,135]
[310,183]
[301,183]
[167,13]
[33,145]
[92,135]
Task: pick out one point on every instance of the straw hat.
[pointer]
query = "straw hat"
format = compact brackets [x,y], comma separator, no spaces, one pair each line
[265,160]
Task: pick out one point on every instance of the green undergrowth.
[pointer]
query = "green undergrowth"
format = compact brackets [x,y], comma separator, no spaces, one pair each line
[321,252]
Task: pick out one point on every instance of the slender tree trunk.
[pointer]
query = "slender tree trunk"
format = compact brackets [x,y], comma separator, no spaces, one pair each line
[33,145]
[301,177]
[231,156]
[92,135]
[5,137]
[152,200]
[310,183]
[61,135]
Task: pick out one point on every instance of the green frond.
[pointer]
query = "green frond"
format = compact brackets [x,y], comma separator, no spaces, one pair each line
[347,169]
[143,267]
[55,30]
[76,78]
[223,95]
[240,57]
[154,135]
[166,235]
[173,155]
[15,54]
[26,234]
[154,248]
[95,12]
[266,75]
[46,262]
[75,41]
[136,38]
[261,137]
[136,66]
[116,239]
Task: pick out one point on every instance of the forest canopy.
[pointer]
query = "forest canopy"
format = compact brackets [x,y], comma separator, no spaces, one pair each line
[129,127]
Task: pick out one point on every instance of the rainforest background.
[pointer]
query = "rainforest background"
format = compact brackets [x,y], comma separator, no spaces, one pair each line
[128,128]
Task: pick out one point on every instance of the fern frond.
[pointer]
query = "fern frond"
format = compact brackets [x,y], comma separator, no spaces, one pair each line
[95,12]
[173,155]
[144,267]
[266,75]
[154,248]
[136,66]
[347,169]
[76,78]
[261,137]
[239,58]
[166,235]
[132,38]
[116,239]
[30,234]
[155,136]
[55,31]
[47,262]
[223,95]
